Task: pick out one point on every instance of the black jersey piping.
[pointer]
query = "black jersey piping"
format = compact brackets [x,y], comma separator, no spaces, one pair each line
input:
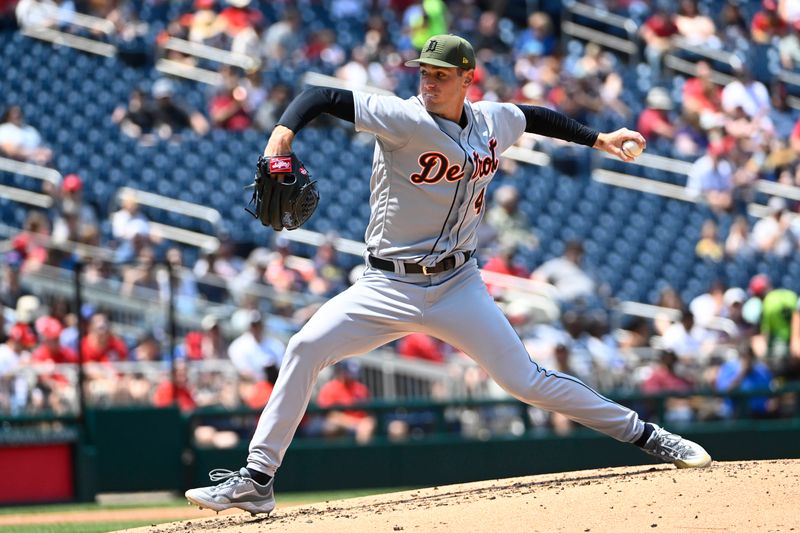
[455,194]
[474,186]
[557,375]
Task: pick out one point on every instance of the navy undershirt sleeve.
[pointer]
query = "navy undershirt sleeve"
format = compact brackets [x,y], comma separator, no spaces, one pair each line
[551,123]
[311,103]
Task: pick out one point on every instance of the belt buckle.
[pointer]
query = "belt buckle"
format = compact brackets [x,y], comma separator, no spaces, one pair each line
[425,271]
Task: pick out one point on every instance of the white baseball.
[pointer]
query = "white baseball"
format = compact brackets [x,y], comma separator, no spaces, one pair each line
[632,148]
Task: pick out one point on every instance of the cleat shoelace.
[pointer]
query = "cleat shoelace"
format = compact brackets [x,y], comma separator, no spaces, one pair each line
[672,445]
[219,474]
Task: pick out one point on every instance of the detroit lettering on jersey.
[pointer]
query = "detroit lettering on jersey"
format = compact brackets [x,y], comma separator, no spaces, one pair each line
[436,166]
[429,175]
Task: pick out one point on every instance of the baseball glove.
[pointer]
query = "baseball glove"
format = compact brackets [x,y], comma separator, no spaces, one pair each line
[283,194]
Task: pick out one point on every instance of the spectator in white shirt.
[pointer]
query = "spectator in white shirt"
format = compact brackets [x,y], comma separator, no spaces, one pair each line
[566,274]
[19,140]
[745,92]
[688,340]
[14,353]
[770,233]
[709,305]
[711,177]
[128,221]
[253,352]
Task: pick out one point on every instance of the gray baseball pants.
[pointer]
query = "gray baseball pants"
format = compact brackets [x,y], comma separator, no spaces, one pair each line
[453,306]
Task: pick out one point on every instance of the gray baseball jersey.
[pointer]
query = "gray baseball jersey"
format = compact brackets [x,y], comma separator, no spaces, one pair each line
[429,178]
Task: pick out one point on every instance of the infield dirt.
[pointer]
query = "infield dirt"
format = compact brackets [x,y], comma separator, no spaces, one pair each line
[728,496]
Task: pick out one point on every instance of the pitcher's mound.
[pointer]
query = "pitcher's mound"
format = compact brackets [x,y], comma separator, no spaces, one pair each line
[727,496]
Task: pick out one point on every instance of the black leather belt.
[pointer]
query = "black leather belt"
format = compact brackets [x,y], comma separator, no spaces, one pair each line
[448,263]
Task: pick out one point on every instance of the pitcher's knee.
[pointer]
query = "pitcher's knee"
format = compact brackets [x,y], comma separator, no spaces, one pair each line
[526,388]
[518,388]
[308,350]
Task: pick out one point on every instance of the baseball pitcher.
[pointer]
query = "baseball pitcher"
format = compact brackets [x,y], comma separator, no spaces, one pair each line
[435,154]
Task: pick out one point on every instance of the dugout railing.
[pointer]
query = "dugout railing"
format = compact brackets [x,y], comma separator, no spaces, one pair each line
[441,412]
[48,420]
[142,448]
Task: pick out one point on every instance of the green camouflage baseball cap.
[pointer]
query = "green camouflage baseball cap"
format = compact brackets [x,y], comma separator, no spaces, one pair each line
[446,51]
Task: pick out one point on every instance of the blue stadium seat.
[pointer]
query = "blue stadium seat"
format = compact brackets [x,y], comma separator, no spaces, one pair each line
[637,240]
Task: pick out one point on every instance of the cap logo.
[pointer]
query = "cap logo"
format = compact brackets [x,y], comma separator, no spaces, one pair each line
[465,60]
[432,44]
[280,164]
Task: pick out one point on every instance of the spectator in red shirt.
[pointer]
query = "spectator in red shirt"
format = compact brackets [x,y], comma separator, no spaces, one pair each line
[29,243]
[767,23]
[794,139]
[100,345]
[228,109]
[50,350]
[280,275]
[168,392]
[256,394]
[239,14]
[192,346]
[654,122]
[345,390]
[421,346]
[21,337]
[503,263]
[657,32]
[701,94]
[664,378]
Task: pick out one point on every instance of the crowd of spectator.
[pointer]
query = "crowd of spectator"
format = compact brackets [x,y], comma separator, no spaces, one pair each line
[733,133]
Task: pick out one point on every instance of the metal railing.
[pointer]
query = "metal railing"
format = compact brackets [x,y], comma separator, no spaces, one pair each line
[731,60]
[131,315]
[58,37]
[679,192]
[134,315]
[668,190]
[438,408]
[202,51]
[724,57]
[190,72]
[23,196]
[388,377]
[526,155]
[39,172]
[658,162]
[602,17]
[78,248]
[650,311]
[189,209]
[322,80]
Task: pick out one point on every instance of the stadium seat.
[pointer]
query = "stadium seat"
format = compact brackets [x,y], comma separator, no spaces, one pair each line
[637,240]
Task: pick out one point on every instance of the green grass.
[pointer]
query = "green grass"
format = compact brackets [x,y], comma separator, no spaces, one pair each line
[66,507]
[287,497]
[102,527]
[79,527]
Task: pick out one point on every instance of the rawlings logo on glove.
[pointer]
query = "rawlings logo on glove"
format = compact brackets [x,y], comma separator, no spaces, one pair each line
[280,164]
[283,194]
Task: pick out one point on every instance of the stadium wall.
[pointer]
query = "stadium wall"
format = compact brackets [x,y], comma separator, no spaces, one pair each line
[122,450]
